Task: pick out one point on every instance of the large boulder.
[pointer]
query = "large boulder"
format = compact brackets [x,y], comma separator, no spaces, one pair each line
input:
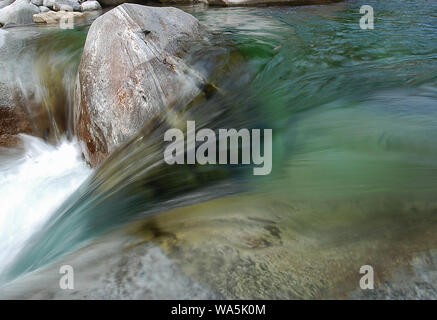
[19,12]
[131,69]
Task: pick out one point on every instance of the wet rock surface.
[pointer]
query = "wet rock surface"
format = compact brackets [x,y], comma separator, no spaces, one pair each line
[13,121]
[137,271]
[131,69]
[20,12]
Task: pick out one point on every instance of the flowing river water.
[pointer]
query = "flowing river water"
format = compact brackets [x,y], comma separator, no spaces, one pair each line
[354,119]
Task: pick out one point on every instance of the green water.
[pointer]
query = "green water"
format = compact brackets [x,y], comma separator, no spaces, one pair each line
[354,119]
[353,110]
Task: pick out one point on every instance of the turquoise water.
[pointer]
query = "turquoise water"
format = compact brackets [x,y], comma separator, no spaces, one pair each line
[354,119]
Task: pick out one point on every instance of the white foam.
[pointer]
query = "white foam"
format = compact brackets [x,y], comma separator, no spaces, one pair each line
[32,185]
[2,37]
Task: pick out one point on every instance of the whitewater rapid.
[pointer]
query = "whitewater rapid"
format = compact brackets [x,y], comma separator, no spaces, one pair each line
[33,184]
[2,37]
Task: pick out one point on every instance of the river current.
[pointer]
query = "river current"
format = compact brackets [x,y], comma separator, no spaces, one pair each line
[354,179]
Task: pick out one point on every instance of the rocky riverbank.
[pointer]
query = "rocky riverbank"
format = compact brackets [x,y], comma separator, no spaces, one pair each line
[166,67]
[22,12]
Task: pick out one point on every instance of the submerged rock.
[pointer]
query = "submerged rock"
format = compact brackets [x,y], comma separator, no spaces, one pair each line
[19,12]
[131,70]
[37,2]
[12,122]
[20,110]
[90,6]
[119,268]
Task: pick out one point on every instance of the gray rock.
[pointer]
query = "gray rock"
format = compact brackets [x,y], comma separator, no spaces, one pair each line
[8,53]
[49,3]
[20,103]
[37,2]
[90,6]
[18,13]
[63,7]
[5,3]
[44,9]
[131,69]
[66,5]
[6,98]
[117,268]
